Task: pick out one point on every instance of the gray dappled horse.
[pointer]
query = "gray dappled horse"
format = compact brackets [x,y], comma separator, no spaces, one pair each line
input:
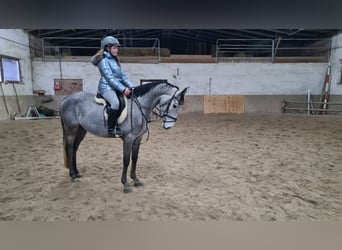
[81,114]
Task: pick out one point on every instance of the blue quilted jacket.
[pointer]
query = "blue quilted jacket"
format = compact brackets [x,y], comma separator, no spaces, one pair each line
[112,77]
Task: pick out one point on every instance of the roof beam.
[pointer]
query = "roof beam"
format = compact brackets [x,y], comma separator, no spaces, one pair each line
[41,33]
[259,34]
[232,34]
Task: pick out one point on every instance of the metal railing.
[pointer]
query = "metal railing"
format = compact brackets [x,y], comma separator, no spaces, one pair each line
[81,46]
[272,48]
[226,49]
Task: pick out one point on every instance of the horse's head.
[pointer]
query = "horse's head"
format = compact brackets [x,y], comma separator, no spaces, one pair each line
[169,107]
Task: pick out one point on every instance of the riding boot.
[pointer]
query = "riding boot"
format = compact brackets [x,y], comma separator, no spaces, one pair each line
[113,130]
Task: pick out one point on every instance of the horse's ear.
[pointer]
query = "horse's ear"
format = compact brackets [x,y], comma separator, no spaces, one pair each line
[182,94]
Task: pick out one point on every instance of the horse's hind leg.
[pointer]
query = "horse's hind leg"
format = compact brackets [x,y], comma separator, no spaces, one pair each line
[81,132]
[72,140]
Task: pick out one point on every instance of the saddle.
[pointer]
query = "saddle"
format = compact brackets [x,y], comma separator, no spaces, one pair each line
[122,107]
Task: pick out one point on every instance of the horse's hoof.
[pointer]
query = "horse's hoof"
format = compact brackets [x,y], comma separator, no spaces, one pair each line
[75,179]
[138,184]
[127,190]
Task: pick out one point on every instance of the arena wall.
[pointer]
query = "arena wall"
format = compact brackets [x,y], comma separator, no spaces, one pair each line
[263,85]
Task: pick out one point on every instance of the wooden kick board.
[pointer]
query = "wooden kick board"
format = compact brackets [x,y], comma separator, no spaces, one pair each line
[224,104]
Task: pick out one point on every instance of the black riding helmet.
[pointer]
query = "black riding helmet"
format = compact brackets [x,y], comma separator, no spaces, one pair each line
[109,41]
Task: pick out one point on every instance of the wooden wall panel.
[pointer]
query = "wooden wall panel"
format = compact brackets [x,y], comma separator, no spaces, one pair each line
[224,104]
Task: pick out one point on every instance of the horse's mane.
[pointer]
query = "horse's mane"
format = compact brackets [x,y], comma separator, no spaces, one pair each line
[147,87]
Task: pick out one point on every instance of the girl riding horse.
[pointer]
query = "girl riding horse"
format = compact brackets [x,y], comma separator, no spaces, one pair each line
[112,80]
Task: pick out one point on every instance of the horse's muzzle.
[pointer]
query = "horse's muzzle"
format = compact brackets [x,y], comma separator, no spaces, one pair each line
[167,125]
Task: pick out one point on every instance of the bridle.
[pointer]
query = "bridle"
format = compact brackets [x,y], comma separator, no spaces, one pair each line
[165,114]
[160,114]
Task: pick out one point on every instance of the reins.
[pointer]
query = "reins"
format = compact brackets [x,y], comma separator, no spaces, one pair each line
[135,99]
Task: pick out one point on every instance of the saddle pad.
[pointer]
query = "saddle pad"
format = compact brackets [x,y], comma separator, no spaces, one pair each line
[123,114]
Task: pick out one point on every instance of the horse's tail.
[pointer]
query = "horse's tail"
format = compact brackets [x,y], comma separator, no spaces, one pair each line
[66,165]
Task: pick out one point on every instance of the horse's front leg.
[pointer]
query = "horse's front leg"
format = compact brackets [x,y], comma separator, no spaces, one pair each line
[127,150]
[135,152]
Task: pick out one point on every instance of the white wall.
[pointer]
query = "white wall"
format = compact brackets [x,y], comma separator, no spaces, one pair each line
[15,43]
[203,79]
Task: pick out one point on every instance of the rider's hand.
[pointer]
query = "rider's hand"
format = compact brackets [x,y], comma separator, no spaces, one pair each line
[127,92]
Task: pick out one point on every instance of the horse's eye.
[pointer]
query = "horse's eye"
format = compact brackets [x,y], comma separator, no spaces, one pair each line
[175,106]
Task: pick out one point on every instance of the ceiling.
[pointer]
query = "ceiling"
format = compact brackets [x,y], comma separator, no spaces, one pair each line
[176,39]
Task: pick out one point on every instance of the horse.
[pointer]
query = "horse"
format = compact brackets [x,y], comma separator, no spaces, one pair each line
[80,113]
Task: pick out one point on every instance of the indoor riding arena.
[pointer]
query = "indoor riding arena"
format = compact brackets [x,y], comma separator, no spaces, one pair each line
[258,138]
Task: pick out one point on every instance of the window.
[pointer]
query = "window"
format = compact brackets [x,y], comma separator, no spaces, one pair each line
[10,69]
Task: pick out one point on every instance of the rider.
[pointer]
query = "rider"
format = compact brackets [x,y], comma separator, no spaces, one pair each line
[112,79]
